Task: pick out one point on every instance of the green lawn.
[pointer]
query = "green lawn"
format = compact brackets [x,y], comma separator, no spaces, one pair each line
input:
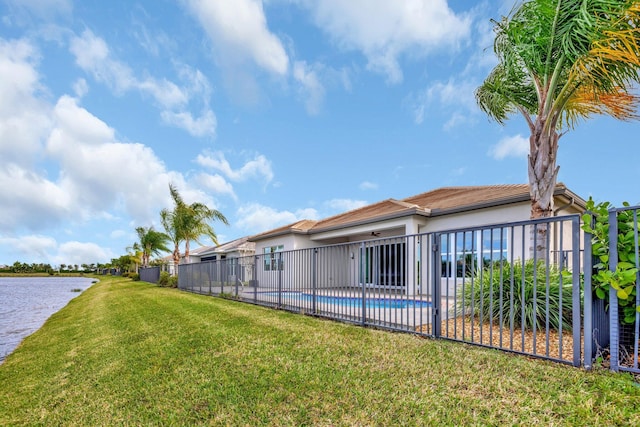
[130,353]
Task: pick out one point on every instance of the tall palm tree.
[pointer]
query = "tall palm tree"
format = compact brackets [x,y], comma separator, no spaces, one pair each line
[187,222]
[171,221]
[151,242]
[561,61]
[197,223]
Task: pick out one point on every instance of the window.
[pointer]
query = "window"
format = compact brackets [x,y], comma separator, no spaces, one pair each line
[273,258]
[464,252]
[384,264]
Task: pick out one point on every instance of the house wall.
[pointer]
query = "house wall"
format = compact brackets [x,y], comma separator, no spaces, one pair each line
[496,215]
[387,228]
[344,261]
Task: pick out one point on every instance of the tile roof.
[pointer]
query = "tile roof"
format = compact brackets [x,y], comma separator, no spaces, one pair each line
[299,226]
[460,197]
[385,208]
[431,203]
[234,245]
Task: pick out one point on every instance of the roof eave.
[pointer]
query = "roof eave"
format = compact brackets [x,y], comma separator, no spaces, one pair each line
[394,215]
[560,191]
[258,237]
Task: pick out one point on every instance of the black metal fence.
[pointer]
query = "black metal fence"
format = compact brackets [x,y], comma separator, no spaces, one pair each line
[516,287]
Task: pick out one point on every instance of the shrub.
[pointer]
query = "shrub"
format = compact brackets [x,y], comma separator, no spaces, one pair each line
[164,279]
[501,288]
[623,279]
[173,281]
[134,276]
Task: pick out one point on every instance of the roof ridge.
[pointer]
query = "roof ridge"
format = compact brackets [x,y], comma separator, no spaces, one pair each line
[464,187]
[355,210]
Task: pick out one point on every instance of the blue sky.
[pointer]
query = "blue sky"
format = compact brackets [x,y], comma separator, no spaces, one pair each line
[269,111]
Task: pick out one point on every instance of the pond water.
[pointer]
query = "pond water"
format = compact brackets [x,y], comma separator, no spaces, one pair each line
[27,302]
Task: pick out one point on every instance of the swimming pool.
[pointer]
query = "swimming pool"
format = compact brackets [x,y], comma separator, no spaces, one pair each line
[354,301]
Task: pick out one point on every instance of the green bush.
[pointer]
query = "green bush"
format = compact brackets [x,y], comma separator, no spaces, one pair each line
[164,279]
[134,276]
[499,290]
[173,281]
[623,279]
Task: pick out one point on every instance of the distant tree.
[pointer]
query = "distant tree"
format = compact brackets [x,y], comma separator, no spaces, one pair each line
[18,267]
[134,254]
[151,242]
[188,222]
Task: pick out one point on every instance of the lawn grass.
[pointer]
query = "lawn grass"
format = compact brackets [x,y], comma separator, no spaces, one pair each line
[131,353]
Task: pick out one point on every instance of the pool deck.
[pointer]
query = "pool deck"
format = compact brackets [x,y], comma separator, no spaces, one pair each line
[412,317]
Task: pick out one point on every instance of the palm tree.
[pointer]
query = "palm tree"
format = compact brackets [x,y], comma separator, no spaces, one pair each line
[561,61]
[151,242]
[134,255]
[173,228]
[187,222]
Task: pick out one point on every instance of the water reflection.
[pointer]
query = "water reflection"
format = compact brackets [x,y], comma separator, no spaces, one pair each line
[27,302]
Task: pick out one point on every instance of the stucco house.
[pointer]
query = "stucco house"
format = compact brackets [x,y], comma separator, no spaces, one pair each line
[439,209]
[236,249]
[385,226]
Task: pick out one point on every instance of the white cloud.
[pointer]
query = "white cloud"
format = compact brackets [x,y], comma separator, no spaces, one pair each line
[384,30]
[258,168]
[79,253]
[456,96]
[30,201]
[458,119]
[514,146]
[311,88]
[45,9]
[367,185]
[217,184]
[257,218]
[239,32]
[33,246]
[93,56]
[343,205]
[24,119]
[80,88]
[200,126]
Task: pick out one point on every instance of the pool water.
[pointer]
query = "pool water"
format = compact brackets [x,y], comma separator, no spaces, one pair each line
[355,301]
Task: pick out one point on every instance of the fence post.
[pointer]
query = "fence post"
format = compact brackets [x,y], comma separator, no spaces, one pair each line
[314,279]
[236,273]
[220,274]
[363,273]
[254,275]
[278,266]
[575,278]
[588,302]
[209,275]
[614,322]
[436,320]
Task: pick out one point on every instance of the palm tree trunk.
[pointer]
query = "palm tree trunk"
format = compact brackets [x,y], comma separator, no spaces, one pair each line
[543,174]
[176,259]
